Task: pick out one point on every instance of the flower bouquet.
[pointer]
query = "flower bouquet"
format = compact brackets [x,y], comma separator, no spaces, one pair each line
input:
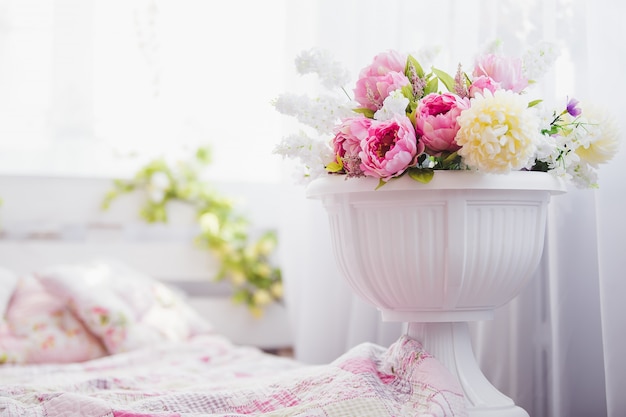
[406,120]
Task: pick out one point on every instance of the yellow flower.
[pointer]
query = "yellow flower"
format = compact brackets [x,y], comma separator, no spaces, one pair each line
[263,270]
[262,298]
[498,133]
[277,290]
[256,312]
[238,278]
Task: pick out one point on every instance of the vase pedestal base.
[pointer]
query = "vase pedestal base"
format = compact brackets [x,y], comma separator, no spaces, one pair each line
[450,343]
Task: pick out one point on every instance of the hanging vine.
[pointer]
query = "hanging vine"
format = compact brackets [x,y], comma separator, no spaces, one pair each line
[243,261]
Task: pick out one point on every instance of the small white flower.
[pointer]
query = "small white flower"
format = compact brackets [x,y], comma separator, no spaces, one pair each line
[160,180]
[393,105]
[583,175]
[331,73]
[546,148]
[537,60]
[321,113]
[159,183]
[312,154]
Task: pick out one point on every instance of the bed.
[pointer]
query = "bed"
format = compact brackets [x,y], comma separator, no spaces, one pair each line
[93,326]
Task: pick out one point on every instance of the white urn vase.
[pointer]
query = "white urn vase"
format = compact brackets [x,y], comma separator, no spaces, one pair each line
[440,255]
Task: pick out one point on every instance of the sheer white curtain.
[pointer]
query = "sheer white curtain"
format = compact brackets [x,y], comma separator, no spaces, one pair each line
[556,350]
[98,87]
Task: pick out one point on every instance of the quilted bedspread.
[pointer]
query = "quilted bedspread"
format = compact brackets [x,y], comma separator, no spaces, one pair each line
[101,340]
[209,376]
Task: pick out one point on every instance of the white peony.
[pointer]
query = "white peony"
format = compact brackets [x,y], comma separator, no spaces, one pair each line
[498,133]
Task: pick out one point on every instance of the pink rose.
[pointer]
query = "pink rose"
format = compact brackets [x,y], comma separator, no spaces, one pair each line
[371,91]
[504,70]
[383,63]
[482,83]
[436,121]
[390,148]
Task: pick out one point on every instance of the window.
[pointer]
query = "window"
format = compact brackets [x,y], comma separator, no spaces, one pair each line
[96,87]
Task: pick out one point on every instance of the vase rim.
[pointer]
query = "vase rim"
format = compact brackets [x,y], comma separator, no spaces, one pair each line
[442,180]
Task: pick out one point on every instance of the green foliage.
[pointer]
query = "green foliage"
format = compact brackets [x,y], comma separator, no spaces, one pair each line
[224,232]
[335,166]
[369,113]
[413,68]
[445,78]
[431,87]
[423,175]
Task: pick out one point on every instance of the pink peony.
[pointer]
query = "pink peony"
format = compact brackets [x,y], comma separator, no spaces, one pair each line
[506,71]
[347,141]
[482,83]
[371,91]
[376,81]
[436,121]
[383,63]
[390,148]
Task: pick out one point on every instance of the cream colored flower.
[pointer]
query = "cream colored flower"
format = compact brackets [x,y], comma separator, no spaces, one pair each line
[602,139]
[498,133]
[210,223]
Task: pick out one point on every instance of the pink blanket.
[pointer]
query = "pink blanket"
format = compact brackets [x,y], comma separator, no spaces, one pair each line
[208,376]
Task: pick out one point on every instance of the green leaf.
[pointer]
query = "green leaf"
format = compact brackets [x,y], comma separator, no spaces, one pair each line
[381,182]
[364,111]
[423,175]
[451,161]
[241,296]
[411,62]
[540,166]
[432,86]
[335,166]
[407,91]
[203,155]
[412,114]
[446,79]
[450,158]
[534,103]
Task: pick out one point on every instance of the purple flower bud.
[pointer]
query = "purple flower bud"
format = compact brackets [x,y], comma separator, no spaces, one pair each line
[572,108]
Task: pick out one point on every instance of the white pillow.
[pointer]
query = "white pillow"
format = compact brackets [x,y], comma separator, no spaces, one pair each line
[8,282]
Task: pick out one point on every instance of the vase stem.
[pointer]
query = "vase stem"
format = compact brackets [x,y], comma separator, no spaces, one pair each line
[450,343]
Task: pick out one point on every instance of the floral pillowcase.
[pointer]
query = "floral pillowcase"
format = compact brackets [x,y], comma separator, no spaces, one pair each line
[38,328]
[123,308]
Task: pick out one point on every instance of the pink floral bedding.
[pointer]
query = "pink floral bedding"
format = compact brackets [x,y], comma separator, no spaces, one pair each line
[102,340]
[208,376]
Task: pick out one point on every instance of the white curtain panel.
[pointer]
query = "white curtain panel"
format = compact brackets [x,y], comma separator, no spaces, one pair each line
[557,350]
